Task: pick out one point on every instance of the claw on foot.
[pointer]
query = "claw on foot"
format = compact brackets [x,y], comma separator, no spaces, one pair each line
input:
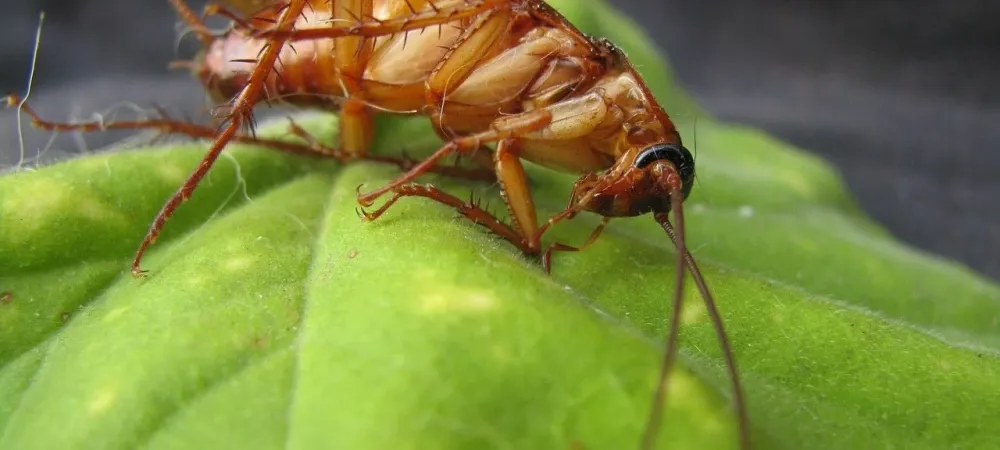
[365,216]
[361,200]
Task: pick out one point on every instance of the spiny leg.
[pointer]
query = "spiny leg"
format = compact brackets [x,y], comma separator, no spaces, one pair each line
[470,210]
[529,121]
[166,125]
[558,247]
[571,210]
[351,56]
[312,148]
[514,187]
[576,204]
[240,116]
[508,129]
[525,234]
[517,196]
[357,129]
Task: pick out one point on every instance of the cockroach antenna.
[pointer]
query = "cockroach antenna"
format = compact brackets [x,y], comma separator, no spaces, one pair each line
[685,260]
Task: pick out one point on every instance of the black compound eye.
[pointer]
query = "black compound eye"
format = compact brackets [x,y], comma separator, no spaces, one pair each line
[677,155]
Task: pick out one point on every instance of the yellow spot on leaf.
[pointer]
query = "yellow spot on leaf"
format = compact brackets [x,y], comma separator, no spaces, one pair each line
[196,280]
[806,244]
[501,353]
[694,311]
[799,183]
[457,300]
[238,263]
[115,313]
[102,401]
[33,204]
[172,173]
[680,386]
[95,210]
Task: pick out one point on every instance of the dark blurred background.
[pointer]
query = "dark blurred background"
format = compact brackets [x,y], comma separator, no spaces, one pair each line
[901,95]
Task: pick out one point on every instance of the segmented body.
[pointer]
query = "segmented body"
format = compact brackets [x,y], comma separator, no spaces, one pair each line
[466,76]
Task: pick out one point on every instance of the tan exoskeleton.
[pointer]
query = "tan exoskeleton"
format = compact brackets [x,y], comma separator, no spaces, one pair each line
[512,78]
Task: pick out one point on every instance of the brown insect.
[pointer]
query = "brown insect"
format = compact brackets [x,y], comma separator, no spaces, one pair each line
[512,79]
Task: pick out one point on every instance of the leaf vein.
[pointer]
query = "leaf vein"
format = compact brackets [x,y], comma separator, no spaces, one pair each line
[47,342]
[300,325]
[216,384]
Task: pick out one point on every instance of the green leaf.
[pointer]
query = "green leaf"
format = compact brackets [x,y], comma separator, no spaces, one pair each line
[275,318]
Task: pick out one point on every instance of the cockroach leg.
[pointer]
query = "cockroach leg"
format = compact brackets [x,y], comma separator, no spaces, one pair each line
[455,146]
[458,172]
[469,209]
[504,128]
[514,188]
[356,127]
[558,247]
[169,126]
[576,204]
[351,56]
[240,116]
[313,147]
[353,51]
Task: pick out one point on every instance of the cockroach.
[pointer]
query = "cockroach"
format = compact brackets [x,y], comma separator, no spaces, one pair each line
[511,78]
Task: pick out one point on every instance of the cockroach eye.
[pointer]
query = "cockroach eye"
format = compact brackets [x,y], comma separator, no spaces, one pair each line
[677,155]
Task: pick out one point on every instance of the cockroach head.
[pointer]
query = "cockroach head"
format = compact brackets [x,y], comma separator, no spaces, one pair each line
[644,181]
[675,154]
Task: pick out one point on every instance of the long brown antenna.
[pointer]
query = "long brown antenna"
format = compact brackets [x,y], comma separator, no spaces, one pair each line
[743,421]
[659,399]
